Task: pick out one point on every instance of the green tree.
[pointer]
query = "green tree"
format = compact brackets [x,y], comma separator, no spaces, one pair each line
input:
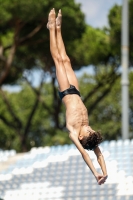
[106,115]
[24,37]
[42,131]
[115,22]
[26,121]
[24,45]
[34,116]
[95,45]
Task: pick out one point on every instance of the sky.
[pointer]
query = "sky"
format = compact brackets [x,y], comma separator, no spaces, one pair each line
[96,12]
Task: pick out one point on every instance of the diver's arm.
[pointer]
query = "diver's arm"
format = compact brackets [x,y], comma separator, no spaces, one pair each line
[100,179]
[84,154]
[101,161]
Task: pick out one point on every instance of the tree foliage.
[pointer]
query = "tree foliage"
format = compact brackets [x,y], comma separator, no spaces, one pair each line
[95,45]
[34,116]
[24,39]
[26,119]
[115,23]
[43,129]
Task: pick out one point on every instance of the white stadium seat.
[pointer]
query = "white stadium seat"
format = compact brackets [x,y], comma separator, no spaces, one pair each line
[59,173]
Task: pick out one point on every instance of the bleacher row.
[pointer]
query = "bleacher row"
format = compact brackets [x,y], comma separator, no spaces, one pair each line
[59,173]
[4,155]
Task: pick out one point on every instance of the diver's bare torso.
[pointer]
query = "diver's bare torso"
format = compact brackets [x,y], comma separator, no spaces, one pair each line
[76,112]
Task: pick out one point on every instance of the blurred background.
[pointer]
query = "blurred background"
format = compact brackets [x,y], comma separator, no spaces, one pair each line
[37,159]
[31,114]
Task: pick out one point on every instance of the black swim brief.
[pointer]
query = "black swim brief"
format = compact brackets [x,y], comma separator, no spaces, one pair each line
[71,90]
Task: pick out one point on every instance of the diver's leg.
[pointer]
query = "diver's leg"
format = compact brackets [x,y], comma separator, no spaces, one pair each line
[60,69]
[70,73]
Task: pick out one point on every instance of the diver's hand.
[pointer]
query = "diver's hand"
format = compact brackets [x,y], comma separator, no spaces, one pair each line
[100,178]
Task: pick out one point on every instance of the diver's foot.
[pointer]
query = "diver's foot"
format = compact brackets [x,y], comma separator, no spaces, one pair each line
[51,20]
[59,20]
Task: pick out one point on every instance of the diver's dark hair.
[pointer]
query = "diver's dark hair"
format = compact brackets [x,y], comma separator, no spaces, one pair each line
[92,141]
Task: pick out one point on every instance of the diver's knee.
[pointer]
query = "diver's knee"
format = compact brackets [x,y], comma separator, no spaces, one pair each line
[57,57]
[66,59]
